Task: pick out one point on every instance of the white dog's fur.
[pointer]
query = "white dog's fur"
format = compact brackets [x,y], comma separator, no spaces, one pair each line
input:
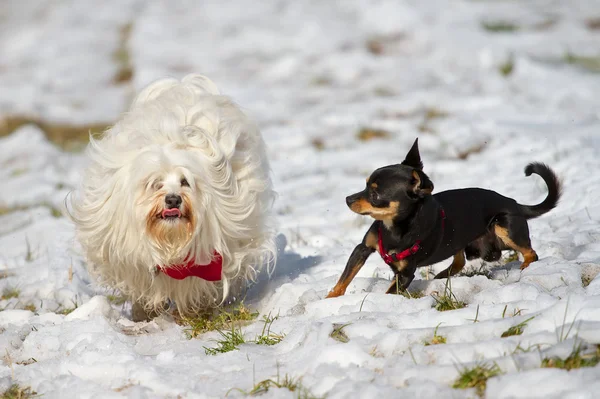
[176,130]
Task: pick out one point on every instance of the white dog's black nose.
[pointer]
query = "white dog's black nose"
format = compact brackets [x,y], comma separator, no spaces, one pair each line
[173,201]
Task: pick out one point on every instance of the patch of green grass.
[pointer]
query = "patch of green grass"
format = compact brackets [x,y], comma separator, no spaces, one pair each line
[589,63]
[447,300]
[476,377]
[122,56]
[219,320]
[321,81]
[17,392]
[267,337]
[31,307]
[507,67]
[516,330]
[499,26]
[9,293]
[383,92]
[367,134]
[575,360]
[437,339]
[474,149]
[69,137]
[5,274]
[429,115]
[65,311]
[411,295]
[432,113]
[513,256]
[318,143]
[291,384]
[18,172]
[116,299]
[338,333]
[230,340]
[7,210]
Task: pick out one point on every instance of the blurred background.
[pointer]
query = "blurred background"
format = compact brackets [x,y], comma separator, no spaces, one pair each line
[315,69]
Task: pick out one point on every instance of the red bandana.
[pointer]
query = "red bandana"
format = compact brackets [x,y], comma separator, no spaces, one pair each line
[210,272]
[395,257]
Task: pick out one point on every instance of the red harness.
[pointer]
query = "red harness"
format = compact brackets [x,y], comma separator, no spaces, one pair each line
[210,272]
[395,257]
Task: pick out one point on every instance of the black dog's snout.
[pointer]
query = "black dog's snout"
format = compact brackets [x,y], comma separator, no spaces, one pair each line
[350,200]
[173,201]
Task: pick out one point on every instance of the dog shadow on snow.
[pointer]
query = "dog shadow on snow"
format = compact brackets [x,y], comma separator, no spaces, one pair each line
[288,267]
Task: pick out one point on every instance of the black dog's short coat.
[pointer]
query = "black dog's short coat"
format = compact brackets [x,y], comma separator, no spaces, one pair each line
[413,228]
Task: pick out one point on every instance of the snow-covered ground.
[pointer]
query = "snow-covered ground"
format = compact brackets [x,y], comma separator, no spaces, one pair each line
[314,73]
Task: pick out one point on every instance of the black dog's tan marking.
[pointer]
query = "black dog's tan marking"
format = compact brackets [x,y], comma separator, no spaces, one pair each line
[425,229]
[518,239]
[457,264]
[363,207]
[355,263]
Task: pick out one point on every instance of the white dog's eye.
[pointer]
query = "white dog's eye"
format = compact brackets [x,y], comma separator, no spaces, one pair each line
[184,182]
[157,185]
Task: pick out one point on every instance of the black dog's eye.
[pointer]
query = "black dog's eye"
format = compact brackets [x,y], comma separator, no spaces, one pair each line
[184,182]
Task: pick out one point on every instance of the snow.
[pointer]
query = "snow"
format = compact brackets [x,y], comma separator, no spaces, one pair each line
[303,71]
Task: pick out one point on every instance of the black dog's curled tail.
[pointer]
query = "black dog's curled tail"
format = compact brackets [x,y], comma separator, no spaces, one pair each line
[554,190]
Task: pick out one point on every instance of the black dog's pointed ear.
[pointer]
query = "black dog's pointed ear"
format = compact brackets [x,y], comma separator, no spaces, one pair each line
[413,158]
[421,185]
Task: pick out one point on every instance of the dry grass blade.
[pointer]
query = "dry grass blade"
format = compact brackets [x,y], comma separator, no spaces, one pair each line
[367,134]
[338,333]
[499,26]
[516,330]
[9,293]
[291,384]
[17,392]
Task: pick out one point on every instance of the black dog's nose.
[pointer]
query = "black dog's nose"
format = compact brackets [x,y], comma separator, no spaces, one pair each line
[350,200]
[173,201]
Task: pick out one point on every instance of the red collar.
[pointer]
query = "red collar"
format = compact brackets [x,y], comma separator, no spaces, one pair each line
[210,272]
[395,257]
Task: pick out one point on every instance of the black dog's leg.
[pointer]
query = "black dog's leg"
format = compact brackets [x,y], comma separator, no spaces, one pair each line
[356,261]
[402,279]
[457,264]
[513,231]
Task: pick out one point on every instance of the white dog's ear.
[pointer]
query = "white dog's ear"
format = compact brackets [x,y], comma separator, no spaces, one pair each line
[201,83]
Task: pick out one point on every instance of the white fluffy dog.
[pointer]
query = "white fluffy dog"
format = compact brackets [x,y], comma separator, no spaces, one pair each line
[175,204]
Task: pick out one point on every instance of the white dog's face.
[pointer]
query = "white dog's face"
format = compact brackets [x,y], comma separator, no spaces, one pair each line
[171,216]
[167,205]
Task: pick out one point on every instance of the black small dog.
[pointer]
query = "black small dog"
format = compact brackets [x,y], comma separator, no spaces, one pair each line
[413,228]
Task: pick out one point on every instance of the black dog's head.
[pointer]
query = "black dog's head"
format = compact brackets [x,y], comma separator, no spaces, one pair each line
[393,190]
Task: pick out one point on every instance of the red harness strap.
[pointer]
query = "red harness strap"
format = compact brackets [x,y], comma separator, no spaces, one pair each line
[210,272]
[395,257]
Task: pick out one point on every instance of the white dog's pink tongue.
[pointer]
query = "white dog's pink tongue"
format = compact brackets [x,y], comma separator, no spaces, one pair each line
[173,212]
